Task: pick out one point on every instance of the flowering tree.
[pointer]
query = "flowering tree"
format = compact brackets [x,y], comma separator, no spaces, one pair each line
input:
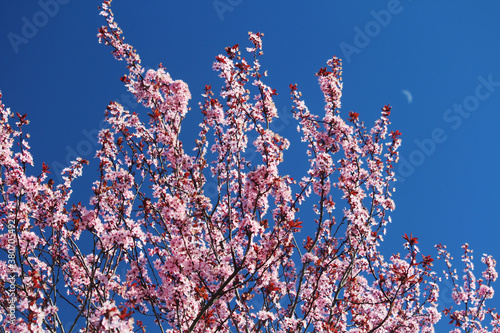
[234,263]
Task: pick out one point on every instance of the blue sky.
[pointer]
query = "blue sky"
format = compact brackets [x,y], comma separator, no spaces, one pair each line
[446,56]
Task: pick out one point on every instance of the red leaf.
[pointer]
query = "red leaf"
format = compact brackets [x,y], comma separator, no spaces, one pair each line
[295,224]
[45,168]
[410,239]
[124,314]
[353,116]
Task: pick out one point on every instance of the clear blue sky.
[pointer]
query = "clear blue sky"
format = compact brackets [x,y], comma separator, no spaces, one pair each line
[444,54]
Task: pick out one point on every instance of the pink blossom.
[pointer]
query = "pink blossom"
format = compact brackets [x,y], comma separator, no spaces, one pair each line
[150,243]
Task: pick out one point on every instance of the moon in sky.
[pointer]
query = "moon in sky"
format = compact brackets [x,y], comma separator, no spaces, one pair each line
[408,95]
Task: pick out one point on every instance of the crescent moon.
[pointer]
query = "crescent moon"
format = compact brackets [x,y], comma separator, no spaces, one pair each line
[408,95]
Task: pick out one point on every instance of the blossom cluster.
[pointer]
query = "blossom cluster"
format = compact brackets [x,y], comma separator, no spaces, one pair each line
[150,248]
[472,293]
